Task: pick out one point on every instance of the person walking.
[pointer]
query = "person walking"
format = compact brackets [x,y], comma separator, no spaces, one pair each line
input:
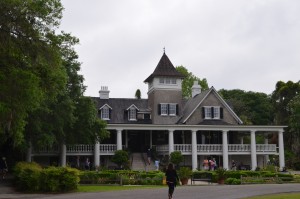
[3,167]
[171,178]
[149,156]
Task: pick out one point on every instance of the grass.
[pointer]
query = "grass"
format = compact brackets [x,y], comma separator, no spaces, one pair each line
[102,188]
[278,196]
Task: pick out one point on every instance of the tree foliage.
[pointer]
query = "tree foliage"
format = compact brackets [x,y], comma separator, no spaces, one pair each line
[41,98]
[252,107]
[121,158]
[138,94]
[188,82]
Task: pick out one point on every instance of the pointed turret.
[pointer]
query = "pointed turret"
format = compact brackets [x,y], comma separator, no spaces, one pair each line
[164,68]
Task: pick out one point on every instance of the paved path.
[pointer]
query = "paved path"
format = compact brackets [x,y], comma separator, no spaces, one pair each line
[182,192]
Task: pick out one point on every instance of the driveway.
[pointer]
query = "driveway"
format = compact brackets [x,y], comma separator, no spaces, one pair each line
[182,192]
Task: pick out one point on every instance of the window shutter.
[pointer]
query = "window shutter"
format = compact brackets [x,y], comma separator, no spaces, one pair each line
[125,114]
[109,116]
[168,109]
[212,112]
[177,111]
[136,114]
[221,112]
[159,109]
[203,112]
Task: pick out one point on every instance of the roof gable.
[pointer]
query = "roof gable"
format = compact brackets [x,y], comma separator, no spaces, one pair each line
[195,102]
[105,105]
[164,68]
[132,106]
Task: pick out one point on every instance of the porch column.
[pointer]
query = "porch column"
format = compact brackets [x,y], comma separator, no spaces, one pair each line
[171,141]
[281,150]
[202,138]
[267,158]
[97,155]
[29,152]
[119,139]
[242,140]
[126,139]
[194,150]
[253,151]
[63,155]
[151,140]
[225,149]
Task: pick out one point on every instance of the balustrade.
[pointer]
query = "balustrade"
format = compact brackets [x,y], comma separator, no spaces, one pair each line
[185,148]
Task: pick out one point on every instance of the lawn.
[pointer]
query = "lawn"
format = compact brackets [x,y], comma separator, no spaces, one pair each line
[100,188]
[278,196]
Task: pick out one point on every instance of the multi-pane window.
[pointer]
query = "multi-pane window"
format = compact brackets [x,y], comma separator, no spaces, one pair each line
[105,113]
[132,114]
[168,109]
[161,80]
[167,80]
[216,112]
[211,112]
[172,109]
[207,112]
[164,109]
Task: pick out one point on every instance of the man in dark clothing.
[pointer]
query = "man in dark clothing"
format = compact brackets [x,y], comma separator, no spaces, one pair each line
[149,156]
[171,178]
[3,167]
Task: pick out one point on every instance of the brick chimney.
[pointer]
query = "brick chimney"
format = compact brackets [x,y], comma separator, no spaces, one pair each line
[104,92]
[196,89]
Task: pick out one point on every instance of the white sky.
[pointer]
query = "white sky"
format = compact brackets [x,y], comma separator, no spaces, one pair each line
[234,44]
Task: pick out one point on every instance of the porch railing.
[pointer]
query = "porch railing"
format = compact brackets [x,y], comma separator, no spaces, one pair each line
[219,148]
[184,148]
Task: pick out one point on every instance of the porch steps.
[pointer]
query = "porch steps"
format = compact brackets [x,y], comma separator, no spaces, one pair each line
[138,162]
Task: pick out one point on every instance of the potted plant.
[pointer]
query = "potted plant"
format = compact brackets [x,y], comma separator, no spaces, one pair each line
[221,175]
[184,174]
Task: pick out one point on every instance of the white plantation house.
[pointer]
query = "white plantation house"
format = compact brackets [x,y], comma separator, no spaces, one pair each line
[200,127]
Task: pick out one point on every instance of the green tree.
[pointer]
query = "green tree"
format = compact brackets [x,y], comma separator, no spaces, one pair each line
[252,107]
[138,94]
[176,157]
[41,98]
[30,62]
[188,82]
[121,158]
[294,123]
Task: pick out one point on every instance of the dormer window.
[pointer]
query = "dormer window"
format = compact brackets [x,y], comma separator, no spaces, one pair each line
[212,112]
[105,112]
[132,113]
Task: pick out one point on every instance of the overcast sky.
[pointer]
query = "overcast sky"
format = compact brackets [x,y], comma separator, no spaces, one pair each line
[234,44]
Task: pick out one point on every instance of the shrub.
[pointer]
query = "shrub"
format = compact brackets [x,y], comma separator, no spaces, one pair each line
[27,176]
[176,157]
[232,181]
[30,177]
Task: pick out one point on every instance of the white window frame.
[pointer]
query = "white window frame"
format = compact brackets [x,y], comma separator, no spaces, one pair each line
[164,109]
[207,112]
[105,113]
[172,109]
[132,114]
[168,80]
[216,112]
[173,81]
[161,80]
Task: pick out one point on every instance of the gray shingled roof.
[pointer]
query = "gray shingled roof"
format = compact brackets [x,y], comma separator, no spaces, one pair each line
[164,68]
[119,106]
[192,103]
